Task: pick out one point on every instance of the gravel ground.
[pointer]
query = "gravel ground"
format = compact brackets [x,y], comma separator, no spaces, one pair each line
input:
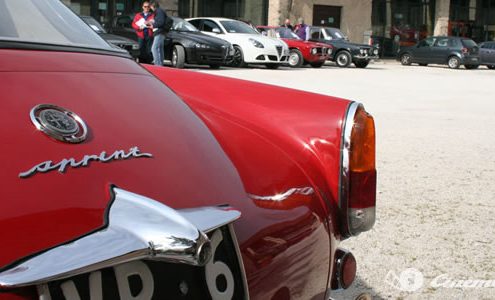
[436,164]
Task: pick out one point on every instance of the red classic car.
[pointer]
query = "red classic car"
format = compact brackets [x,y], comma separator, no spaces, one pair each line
[143,182]
[301,52]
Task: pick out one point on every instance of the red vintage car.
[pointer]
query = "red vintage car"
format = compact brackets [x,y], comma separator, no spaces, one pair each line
[301,52]
[122,181]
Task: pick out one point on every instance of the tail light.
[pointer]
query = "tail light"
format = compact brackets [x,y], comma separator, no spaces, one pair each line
[358,172]
[465,50]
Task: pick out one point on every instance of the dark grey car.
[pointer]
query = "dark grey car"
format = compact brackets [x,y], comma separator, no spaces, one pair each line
[487,54]
[452,51]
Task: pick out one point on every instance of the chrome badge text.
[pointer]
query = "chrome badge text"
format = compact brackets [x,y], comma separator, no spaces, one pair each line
[66,163]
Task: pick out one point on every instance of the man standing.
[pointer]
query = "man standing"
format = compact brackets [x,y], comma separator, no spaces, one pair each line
[288,25]
[159,23]
[302,29]
[143,25]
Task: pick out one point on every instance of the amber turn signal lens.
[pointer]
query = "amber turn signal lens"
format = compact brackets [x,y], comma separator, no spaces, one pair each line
[362,154]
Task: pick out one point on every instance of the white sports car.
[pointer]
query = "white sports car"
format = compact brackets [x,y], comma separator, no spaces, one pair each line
[250,46]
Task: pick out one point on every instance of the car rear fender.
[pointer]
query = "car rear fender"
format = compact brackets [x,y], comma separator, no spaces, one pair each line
[305,127]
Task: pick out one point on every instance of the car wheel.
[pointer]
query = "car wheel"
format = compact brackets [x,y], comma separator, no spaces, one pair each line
[423,65]
[238,59]
[317,64]
[272,66]
[491,67]
[471,67]
[178,57]
[454,62]
[343,59]
[215,66]
[361,64]
[405,59]
[295,58]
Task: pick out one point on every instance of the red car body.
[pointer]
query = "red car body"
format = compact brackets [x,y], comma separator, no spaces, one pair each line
[313,53]
[277,162]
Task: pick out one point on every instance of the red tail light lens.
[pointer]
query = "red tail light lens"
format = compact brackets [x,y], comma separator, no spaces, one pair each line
[464,50]
[345,267]
[358,177]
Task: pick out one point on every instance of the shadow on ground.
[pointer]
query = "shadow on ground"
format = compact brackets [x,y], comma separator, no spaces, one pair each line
[357,288]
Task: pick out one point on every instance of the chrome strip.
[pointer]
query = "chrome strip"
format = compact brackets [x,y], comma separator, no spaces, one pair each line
[241,263]
[345,149]
[138,228]
[305,191]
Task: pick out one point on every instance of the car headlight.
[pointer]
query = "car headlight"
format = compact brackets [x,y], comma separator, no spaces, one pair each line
[375,51]
[135,46]
[256,43]
[202,46]
[363,51]
[314,51]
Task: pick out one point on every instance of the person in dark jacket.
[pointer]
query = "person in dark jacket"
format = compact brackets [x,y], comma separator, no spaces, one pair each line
[143,25]
[287,24]
[159,23]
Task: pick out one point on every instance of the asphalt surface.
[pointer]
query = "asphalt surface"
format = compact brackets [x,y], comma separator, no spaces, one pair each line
[436,174]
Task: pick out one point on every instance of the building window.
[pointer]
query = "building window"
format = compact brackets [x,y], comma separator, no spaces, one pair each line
[255,11]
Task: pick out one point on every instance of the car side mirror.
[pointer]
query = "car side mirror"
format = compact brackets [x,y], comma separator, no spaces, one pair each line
[216,30]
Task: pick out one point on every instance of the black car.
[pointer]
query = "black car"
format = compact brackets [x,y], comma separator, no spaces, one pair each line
[452,51]
[344,52]
[186,44]
[487,54]
[122,25]
[122,42]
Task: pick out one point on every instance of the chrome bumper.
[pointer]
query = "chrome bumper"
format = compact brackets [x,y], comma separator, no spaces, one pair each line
[137,228]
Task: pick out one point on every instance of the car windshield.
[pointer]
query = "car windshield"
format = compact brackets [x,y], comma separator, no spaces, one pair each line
[93,24]
[286,33]
[183,25]
[335,34]
[469,43]
[233,26]
[46,22]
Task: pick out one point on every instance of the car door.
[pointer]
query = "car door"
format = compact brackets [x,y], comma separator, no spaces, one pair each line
[422,53]
[487,53]
[440,51]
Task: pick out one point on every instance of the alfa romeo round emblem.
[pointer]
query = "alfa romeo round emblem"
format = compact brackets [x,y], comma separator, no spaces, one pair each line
[59,123]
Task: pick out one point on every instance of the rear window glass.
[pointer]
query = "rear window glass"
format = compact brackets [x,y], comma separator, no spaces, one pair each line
[45,22]
[469,43]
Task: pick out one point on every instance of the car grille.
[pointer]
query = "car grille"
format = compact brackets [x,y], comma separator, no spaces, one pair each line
[272,58]
[279,50]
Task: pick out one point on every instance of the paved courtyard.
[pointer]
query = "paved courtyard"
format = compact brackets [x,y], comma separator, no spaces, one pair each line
[436,184]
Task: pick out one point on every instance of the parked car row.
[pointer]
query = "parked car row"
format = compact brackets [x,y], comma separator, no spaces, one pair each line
[451,51]
[221,41]
[271,46]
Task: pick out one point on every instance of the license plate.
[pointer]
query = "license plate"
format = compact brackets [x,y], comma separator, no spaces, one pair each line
[147,279]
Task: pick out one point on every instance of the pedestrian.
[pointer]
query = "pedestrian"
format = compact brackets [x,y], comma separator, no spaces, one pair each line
[288,25]
[143,25]
[161,24]
[301,29]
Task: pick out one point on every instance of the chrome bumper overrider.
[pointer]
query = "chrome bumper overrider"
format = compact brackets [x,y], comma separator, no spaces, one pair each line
[360,56]
[137,228]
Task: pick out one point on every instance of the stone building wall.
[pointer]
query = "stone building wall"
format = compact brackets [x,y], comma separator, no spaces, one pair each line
[355,16]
